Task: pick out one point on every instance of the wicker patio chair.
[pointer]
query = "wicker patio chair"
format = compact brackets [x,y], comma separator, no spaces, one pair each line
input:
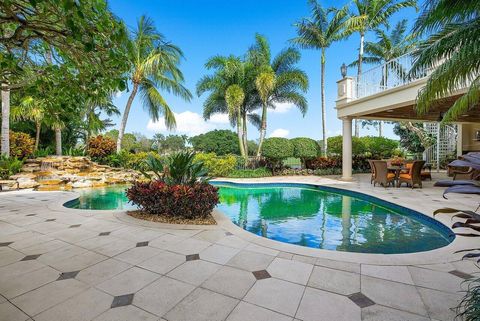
[414,177]
[372,170]
[382,176]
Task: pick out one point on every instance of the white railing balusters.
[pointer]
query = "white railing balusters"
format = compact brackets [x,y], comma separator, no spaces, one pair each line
[389,75]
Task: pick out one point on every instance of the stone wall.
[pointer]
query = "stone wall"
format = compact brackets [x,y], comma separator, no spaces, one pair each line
[67,172]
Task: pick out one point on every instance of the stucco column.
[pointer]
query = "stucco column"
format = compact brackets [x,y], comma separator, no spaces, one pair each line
[459,139]
[347,149]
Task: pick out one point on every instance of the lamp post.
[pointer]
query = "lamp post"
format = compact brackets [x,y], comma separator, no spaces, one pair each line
[343,70]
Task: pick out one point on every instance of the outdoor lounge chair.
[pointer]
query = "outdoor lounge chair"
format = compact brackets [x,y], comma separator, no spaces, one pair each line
[413,177]
[382,176]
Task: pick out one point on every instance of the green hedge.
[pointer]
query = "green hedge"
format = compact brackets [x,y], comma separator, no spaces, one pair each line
[305,148]
[374,147]
[217,166]
[277,148]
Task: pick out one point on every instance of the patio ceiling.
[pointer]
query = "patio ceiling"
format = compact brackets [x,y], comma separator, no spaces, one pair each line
[409,113]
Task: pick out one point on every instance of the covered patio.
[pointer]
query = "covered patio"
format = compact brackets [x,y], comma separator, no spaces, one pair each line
[395,101]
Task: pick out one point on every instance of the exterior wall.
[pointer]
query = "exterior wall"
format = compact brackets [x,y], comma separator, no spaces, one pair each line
[468,137]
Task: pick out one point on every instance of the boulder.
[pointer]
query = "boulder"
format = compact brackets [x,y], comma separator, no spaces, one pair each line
[82,184]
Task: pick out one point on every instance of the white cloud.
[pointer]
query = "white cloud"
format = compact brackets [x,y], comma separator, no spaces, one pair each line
[282,108]
[280,132]
[118,94]
[190,123]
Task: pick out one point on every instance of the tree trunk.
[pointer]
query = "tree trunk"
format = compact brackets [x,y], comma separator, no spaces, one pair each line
[245,140]
[359,72]
[380,128]
[240,134]
[324,111]
[123,124]
[38,128]
[263,129]
[58,141]
[5,132]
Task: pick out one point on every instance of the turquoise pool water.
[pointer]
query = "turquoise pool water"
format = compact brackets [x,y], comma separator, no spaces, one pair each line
[317,217]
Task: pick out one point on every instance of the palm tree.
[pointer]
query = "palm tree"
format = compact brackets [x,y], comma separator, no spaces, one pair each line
[386,49]
[31,109]
[153,64]
[320,31]
[453,29]
[231,71]
[369,15]
[278,80]
[234,97]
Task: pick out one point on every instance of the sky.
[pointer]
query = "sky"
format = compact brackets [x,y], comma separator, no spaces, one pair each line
[204,28]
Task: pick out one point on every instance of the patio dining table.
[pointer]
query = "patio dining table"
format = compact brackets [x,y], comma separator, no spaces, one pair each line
[397,170]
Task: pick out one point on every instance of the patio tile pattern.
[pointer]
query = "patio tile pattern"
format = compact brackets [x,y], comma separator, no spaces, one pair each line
[63,264]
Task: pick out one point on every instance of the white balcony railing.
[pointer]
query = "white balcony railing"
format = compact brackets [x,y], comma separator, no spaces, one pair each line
[389,75]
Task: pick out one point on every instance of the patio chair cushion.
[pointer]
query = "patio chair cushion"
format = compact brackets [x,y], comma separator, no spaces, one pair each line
[390,176]
[406,176]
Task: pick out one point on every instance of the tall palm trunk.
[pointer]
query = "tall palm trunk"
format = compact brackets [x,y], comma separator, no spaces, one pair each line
[359,72]
[58,141]
[324,112]
[38,128]
[5,132]
[380,128]
[244,137]
[263,128]
[123,124]
[240,134]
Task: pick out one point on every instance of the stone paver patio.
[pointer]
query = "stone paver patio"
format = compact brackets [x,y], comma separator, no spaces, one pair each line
[64,264]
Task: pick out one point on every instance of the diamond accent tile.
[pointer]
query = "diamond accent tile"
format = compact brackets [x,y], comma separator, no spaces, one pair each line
[140,244]
[461,274]
[361,300]
[67,275]
[262,274]
[228,234]
[104,234]
[122,300]
[31,257]
[75,225]
[5,243]
[192,257]
[50,220]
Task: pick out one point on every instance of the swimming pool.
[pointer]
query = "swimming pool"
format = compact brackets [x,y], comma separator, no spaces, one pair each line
[312,216]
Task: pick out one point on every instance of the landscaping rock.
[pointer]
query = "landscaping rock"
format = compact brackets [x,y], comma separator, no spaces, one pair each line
[67,172]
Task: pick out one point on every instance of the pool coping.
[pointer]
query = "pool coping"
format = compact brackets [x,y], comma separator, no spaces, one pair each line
[440,255]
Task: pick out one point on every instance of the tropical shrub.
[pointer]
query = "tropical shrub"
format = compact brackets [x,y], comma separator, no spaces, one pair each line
[72,151]
[305,148]
[373,147]
[380,147]
[324,163]
[186,201]
[99,147]
[21,145]
[221,142]
[44,152]
[251,173]
[177,169]
[335,145]
[121,159]
[276,149]
[359,164]
[469,307]
[178,187]
[217,166]
[9,166]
